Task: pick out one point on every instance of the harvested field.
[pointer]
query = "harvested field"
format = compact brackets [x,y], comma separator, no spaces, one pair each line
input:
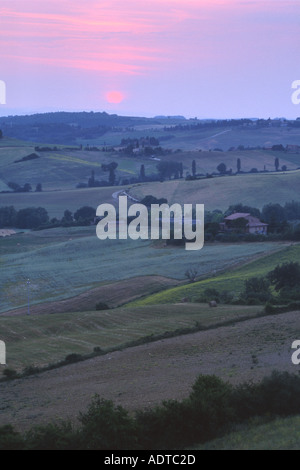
[114,294]
[145,375]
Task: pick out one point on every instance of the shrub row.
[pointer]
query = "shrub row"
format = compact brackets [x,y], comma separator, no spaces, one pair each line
[212,409]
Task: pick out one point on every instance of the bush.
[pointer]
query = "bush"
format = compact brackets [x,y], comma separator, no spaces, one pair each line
[285,276]
[107,427]
[31,370]
[10,373]
[10,439]
[212,407]
[277,395]
[73,358]
[256,291]
[53,437]
[101,306]
[223,297]
[167,426]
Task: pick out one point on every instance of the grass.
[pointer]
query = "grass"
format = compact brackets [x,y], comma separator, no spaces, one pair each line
[281,434]
[56,202]
[44,339]
[62,263]
[64,169]
[232,281]
[255,190]
[205,139]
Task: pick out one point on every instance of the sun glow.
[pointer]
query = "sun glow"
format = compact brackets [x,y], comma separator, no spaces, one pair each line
[114,97]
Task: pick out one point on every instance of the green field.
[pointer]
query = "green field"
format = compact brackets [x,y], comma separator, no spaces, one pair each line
[56,202]
[217,193]
[44,339]
[207,162]
[232,281]
[255,190]
[281,434]
[205,138]
[64,169]
[62,263]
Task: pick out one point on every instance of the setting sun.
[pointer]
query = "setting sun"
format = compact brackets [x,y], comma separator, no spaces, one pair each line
[114,97]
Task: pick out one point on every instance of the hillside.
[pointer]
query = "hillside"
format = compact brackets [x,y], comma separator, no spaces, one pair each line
[281,434]
[143,376]
[63,169]
[66,262]
[48,337]
[232,280]
[101,128]
[255,190]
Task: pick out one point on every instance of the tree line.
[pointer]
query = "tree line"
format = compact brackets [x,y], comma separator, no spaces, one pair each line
[34,218]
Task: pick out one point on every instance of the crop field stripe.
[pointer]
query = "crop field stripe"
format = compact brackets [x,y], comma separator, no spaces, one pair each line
[232,280]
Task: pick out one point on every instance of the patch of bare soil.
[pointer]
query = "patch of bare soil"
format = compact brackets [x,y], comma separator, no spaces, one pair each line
[114,294]
[142,376]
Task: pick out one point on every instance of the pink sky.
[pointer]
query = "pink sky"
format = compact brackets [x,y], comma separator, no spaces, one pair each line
[204,58]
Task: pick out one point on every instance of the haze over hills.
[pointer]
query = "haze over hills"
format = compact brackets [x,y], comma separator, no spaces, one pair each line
[89,298]
[173,132]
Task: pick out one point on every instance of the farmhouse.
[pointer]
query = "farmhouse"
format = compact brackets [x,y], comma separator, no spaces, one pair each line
[245,223]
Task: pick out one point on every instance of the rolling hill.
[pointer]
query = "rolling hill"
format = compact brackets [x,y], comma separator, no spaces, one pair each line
[232,280]
[67,262]
[255,190]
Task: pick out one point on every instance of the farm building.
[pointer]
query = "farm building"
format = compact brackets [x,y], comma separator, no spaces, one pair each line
[246,223]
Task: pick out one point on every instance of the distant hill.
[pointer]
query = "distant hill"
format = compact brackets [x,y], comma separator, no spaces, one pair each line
[174,132]
[67,127]
[82,119]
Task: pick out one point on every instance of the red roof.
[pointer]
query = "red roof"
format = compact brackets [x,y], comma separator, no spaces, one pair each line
[252,221]
[237,215]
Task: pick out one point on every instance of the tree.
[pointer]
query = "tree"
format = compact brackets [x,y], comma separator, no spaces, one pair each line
[27,188]
[149,200]
[86,214]
[238,165]
[222,168]
[142,173]
[256,289]
[276,163]
[39,188]
[110,166]
[112,177]
[243,209]
[91,182]
[292,210]
[285,276]
[14,186]
[194,168]
[181,170]
[191,274]
[274,215]
[8,216]
[168,169]
[67,219]
[31,218]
